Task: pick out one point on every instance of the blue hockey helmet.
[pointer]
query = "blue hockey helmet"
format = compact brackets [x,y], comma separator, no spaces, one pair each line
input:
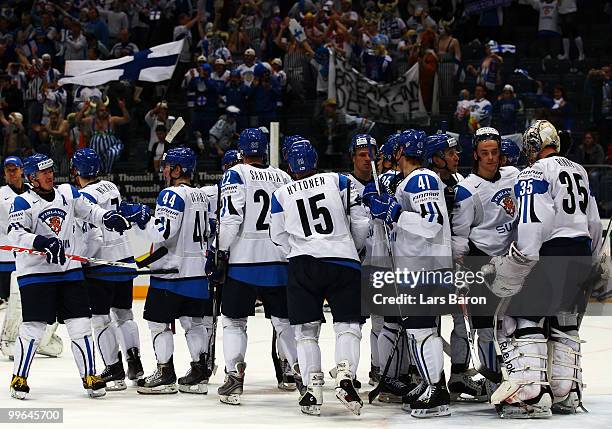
[183,156]
[85,163]
[363,141]
[35,163]
[253,142]
[413,143]
[438,143]
[302,157]
[230,158]
[390,147]
[510,149]
[287,143]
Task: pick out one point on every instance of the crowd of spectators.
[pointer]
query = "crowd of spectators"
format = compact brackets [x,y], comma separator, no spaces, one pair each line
[249,62]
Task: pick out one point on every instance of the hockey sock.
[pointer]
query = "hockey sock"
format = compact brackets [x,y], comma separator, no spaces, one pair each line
[196,334]
[308,351]
[79,330]
[126,327]
[580,46]
[163,344]
[377,325]
[234,341]
[104,335]
[459,345]
[26,344]
[566,47]
[486,349]
[285,333]
[386,339]
[428,353]
[348,338]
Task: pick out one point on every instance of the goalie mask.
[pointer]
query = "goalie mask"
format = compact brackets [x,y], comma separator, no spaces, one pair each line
[541,134]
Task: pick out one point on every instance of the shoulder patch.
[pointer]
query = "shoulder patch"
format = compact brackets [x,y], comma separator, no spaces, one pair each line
[231,177]
[89,197]
[75,192]
[170,199]
[276,207]
[343,181]
[19,204]
[461,194]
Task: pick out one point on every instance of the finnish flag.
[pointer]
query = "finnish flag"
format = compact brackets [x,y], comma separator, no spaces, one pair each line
[154,64]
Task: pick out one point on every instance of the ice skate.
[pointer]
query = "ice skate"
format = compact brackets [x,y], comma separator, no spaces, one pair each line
[19,387]
[312,397]
[114,376]
[345,391]
[162,381]
[231,390]
[433,403]
[135,370]
[414,394]
[536,408]
[392,390]
[374,375]
[196,379]
[94,385]
[463,388]
[288,381]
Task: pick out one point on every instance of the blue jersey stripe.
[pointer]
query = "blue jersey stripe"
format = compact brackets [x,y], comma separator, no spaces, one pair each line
[193,287]
[260,275]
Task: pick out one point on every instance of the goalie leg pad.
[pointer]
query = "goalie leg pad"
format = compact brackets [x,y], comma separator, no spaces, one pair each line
[51,344]
[427,350]
[287,347]
[308,351]
[234,341]
[105,338]
[12,320]
[79,330]
[26,344]
[163,344]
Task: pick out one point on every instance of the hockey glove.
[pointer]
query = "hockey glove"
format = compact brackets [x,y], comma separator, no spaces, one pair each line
[53,247]
[510,272]
[139,214]
[368,192]
[113,221]
[216,265]
[385,208]
[212,223]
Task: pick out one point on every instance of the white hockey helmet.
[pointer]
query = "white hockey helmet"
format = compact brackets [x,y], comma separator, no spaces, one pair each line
[541,134]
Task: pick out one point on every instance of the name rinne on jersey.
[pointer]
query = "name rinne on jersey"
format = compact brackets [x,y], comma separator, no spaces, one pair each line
[304,184]
[266,176]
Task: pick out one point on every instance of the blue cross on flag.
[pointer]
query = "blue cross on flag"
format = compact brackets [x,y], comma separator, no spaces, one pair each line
[155,64]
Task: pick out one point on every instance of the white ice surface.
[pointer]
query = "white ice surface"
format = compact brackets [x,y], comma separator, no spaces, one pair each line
[54,382]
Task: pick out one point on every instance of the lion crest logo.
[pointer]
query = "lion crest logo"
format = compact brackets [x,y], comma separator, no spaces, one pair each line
[504,200]
[54,219]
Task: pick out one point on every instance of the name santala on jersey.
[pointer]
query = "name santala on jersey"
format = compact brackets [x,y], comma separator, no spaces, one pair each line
[246,192]
[485,212]
[111,245]
[31,215]
[181,225]
[554,201]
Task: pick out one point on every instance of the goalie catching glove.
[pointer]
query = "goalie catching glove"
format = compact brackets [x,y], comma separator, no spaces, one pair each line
[139,214]
[510,272]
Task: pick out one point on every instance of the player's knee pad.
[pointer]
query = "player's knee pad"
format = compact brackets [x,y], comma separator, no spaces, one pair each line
[157,328]
[564,370]
[235,324]
[122,315]
[100,321]
[78,327]
[307,332]
[347,328]
[377,323]
[280,325]
[32,331]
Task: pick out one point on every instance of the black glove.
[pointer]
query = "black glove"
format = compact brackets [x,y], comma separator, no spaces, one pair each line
[53,247]
[216,265]
[113,221]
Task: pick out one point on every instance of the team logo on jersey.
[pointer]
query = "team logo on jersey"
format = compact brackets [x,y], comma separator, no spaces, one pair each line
[54,218]
[504,200]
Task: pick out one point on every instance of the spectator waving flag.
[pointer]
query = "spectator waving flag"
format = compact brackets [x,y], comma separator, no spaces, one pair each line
[502,48]
[155,64]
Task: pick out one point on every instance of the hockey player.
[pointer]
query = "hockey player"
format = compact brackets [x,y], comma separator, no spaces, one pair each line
[255,266]
[484,224]
[422,242]
[180,225]
[557,217]
[50,344]
[320,223]
[110,296]
[510,153]
[52,289]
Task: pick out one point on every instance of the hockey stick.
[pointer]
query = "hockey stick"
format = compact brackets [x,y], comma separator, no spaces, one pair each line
[153,257]
[137,272]
[82,259]
[215,292]
[175,129]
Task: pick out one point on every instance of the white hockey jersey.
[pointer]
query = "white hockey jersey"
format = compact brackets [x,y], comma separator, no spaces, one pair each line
[377,253]
[367,251]
[31,215]
[422,237]
[485,213]
[180,224]
[102,243]
[7,195]
[212,192]
[246,193]
[555,201]
[320,216]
